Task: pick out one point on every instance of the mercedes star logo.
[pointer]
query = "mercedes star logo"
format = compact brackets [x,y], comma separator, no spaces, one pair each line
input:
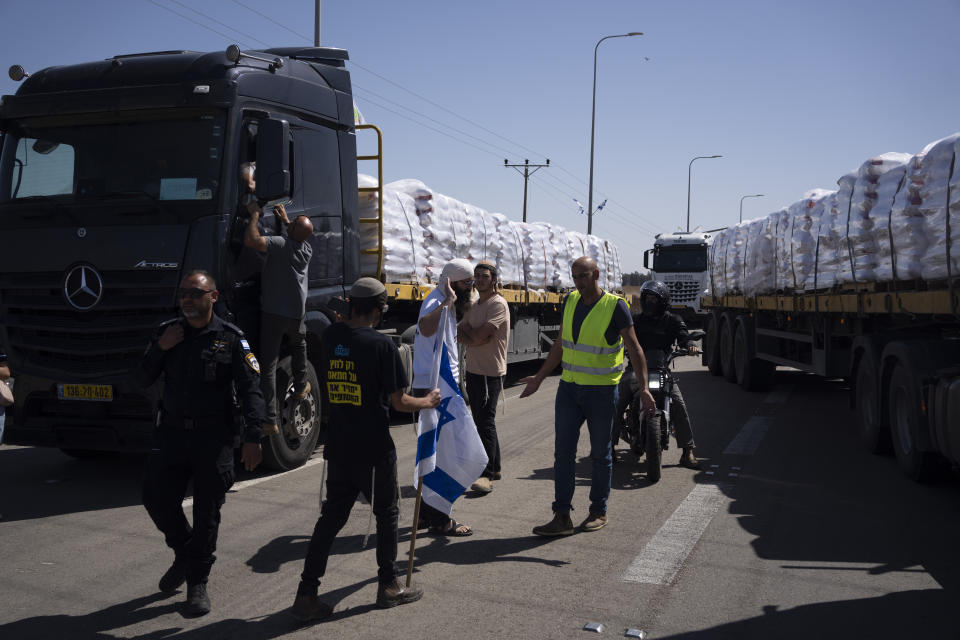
[83,287]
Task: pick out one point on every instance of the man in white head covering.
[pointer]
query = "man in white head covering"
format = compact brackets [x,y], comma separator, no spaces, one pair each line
[453,294]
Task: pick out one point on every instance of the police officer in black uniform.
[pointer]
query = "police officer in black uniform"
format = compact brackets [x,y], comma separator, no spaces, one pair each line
[207,365]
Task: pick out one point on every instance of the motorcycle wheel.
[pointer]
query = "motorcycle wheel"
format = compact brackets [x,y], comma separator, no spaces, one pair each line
[651,431]
[635,424]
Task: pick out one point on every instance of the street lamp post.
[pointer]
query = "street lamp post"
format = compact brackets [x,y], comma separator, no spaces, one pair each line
[593,119]
[689,168]
[756,195]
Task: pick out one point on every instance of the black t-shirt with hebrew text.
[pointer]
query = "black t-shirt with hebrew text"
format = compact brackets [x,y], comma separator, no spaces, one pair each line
[359,369]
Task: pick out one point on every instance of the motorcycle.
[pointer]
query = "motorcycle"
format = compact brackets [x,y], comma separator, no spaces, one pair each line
[650,434]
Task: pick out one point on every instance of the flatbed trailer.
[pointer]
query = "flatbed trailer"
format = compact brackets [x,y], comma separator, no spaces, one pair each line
[897,345]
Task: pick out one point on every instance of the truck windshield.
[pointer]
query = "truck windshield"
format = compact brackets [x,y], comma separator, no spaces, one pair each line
[689,257]
[171,160]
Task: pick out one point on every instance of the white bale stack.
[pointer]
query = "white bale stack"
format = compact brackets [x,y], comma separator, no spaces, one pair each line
[759,260]
[422,230]
[936,195]
[803,243]
[891,219]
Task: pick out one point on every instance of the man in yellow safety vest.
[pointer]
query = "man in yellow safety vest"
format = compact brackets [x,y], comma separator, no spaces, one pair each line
[595,327]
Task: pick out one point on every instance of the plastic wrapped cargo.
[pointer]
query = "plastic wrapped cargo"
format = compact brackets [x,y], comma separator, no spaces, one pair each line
[888,220]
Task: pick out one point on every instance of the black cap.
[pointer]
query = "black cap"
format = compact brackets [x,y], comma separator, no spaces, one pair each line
[367,288]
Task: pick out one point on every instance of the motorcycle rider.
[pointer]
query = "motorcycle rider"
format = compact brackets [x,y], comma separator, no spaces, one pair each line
[657,329]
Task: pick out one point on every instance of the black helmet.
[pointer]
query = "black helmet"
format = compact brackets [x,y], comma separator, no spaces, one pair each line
[658,289]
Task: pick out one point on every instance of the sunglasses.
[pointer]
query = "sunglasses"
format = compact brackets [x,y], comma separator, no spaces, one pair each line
[193,293]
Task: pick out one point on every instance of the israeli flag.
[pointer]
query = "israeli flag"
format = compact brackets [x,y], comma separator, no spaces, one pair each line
[450,454]
[579,205]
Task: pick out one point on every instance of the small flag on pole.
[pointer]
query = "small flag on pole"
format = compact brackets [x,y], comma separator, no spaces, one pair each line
[450,454]
[579,205]
[602,204]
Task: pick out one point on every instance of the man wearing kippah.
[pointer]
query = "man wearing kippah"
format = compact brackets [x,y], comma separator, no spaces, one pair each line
[485,330]
[362,377]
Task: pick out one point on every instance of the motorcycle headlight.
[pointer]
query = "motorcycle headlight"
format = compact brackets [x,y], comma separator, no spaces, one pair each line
[654,383]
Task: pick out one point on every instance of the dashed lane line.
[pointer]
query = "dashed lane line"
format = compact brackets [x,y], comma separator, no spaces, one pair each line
[665,553]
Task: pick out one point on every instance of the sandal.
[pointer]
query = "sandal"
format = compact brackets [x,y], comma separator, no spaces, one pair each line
[453,529]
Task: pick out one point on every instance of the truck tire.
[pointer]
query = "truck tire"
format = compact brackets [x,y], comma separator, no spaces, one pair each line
[753,374]
[406,357]
[906,421]
[711,346]
[874,436]
[726,348]
[651,430]
[299,422]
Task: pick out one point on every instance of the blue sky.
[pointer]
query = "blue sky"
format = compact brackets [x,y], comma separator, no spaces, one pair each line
[793,95]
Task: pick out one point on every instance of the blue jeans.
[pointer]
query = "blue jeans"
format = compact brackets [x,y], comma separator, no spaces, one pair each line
[574,404]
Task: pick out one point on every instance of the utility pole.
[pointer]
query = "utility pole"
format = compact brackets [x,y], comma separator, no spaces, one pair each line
[316,26]
[526,173]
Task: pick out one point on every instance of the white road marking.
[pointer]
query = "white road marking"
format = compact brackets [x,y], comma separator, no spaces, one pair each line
[663,556]
[253,481]
[748,440]
[667,550]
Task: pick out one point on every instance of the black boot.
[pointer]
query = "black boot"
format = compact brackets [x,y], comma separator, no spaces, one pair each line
[175,576]
[198,604]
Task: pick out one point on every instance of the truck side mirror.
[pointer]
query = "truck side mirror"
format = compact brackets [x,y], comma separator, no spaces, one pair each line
[273,161]
[646,257]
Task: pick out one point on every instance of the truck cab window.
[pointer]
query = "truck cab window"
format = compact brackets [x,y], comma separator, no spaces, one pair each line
[42,168]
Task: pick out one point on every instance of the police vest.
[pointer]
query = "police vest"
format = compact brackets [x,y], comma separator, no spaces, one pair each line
[589,359]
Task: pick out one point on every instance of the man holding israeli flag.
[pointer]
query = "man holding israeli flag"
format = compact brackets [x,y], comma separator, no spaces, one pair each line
[436,364]
[450,454]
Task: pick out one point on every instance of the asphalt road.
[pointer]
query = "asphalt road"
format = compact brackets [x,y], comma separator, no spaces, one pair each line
[788,531]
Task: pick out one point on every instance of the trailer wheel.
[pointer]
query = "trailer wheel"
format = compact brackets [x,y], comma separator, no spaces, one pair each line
[752,374]
[906,421]
[651,430]
[299,422]
[711,346]
[726,348]
[874,437]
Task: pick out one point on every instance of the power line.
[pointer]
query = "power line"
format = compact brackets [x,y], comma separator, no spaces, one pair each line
[212,19]
[266,17]
[423,115]
[189,19]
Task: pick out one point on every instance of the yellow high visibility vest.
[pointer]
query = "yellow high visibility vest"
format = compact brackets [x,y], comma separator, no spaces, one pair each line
[589,359]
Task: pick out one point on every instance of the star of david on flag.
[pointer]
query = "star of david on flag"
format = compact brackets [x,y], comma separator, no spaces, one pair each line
[450,454]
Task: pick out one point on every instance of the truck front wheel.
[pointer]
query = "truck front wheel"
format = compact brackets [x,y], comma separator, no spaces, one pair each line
[299,422]
[711,345]
[906,421]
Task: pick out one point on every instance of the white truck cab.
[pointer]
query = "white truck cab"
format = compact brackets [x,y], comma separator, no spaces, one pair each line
[680,260]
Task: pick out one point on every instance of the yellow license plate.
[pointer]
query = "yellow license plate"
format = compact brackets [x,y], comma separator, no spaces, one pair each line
[95,392]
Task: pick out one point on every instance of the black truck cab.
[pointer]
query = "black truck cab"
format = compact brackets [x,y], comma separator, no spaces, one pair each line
[117,177]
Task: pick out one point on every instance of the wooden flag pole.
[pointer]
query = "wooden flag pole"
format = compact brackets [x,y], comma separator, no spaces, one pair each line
[413,530]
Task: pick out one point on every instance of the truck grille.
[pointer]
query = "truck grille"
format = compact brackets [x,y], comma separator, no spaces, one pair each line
[681,292]
[52,337]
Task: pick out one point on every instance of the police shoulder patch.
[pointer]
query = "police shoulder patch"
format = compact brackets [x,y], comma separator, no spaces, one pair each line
[251,361]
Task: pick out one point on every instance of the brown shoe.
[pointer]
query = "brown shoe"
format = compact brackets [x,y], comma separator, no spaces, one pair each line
[593,522]
[270,428]
[310,607]
[689,460]
[396,593]
[300,395]
[561,525]
[482,485]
